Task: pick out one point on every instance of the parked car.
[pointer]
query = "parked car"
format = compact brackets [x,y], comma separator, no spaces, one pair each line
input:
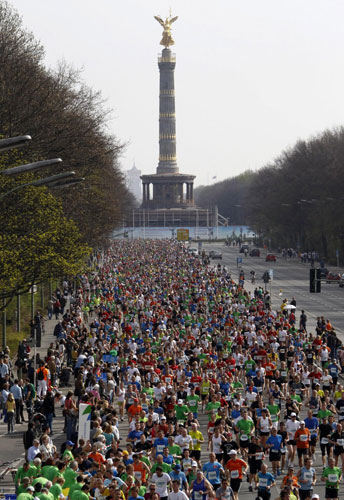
[243,248]
[341,281]
[193,251]
[255,252]
[333,277]
[215,255]
[270,257]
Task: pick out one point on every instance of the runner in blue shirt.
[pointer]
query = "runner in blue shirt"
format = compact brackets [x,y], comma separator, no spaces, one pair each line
[274,443]
[177,475]
[306,477]
[265,482]
[312,423]
[212,470]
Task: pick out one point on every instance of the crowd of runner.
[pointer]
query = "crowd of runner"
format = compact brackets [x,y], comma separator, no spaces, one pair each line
[214,386]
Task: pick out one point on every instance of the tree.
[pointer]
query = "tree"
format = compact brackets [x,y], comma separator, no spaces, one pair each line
[65,119]
[37,241]
[229,195]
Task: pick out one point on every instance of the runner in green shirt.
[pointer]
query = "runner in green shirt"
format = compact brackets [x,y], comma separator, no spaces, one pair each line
[23,486]
[212,406]
[192,401]
[76,486]
[323,414]
[70,474]
[332,475]
[249,364]
[181,410]
[42,480]
[68,451]
[26,470]
[56,488]
[81,494]
[50,472]
[245,427]
[174,450]
[26,495]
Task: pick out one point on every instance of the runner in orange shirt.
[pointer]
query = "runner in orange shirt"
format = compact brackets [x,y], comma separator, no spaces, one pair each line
[235,468]
[141,470]
[302,438]
[134,409]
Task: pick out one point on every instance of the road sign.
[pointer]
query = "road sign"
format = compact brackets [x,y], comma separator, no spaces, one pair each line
[182,234]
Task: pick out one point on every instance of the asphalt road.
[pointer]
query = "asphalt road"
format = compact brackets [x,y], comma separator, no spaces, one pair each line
[290,279]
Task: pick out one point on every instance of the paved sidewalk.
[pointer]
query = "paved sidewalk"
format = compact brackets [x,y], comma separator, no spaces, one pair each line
[12,447]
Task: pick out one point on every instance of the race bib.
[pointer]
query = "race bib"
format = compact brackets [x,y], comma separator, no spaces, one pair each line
[197,495]
[259,389]
[263,482]
[137,474]
[192,402]
[283,373]
[160,448]
[212,475]
[308,476]
[333,478]
[340,442]
[244,437]
[273,418]
[324,441]
[303,438]
[234,474]
[259,456]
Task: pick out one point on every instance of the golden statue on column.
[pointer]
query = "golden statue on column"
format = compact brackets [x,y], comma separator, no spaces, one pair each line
[167,39]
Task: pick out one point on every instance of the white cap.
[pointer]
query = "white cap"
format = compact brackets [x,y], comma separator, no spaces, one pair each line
[180,401]
[315,497]
[293,414]
[233,452]
[194,463]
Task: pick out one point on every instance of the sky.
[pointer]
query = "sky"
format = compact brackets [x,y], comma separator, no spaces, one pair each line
[252,76]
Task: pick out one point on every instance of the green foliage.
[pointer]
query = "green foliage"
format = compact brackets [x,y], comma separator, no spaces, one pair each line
[298,200]
[229,195]
[37,241]
[65,119]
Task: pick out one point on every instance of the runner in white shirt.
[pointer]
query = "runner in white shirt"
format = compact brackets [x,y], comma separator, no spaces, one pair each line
[161,481]
[177,493]
[292,425]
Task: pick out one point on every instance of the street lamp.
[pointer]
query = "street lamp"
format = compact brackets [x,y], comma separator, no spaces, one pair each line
[66,183]
[30,166]
[46,181]
[14,142]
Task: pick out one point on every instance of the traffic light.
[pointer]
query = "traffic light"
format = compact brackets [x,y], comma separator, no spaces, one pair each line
[314,281]
[266,277]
